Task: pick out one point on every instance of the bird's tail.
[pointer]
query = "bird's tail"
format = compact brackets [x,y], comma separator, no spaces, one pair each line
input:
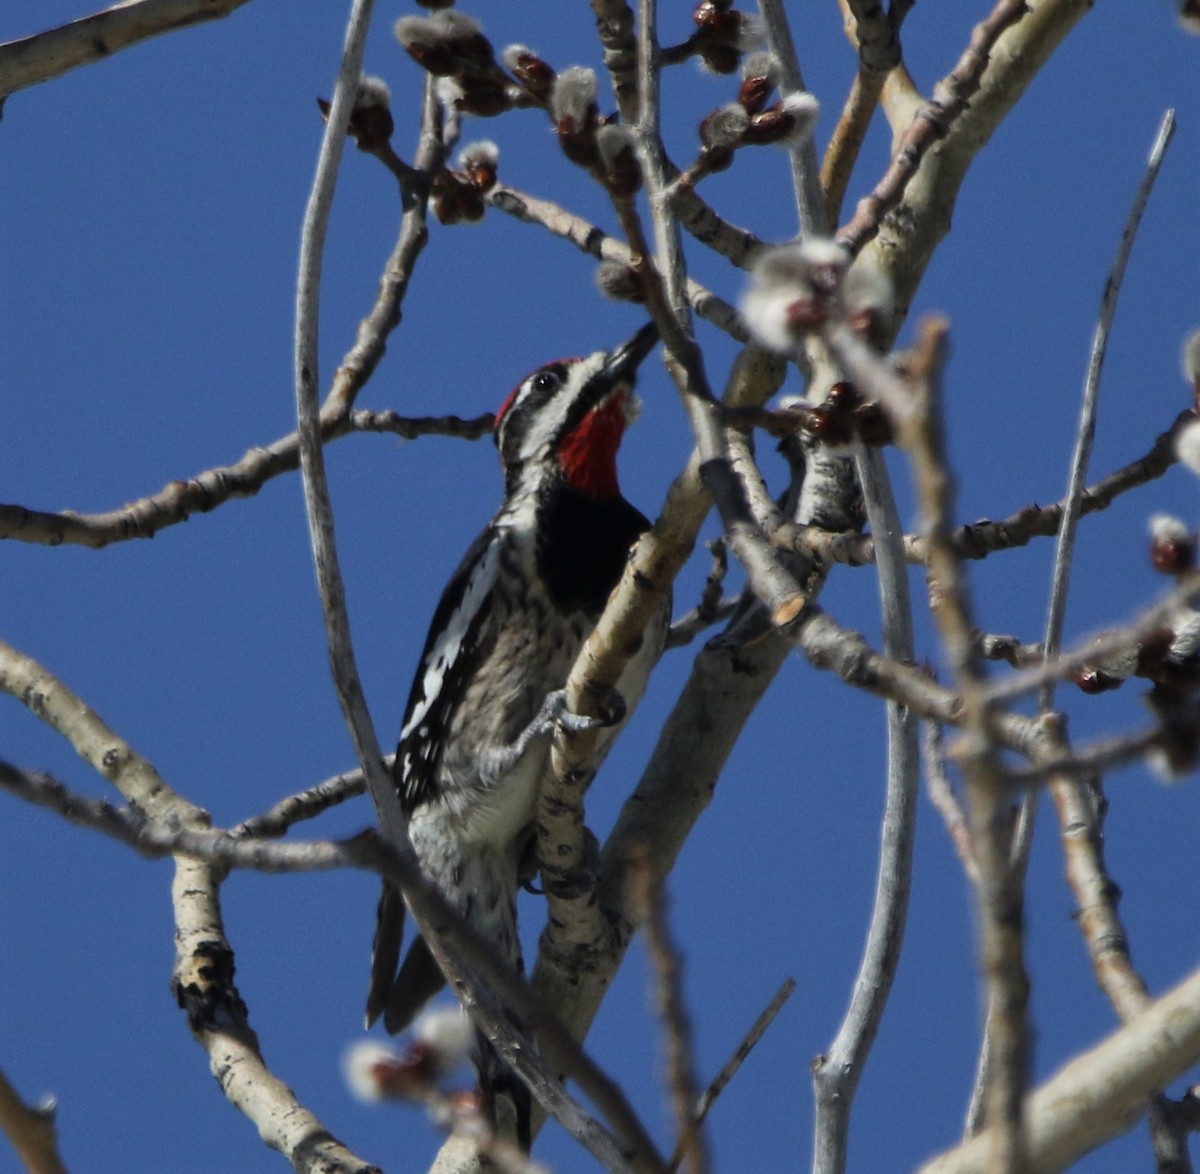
[484,894]
[505,1095]
[491,910]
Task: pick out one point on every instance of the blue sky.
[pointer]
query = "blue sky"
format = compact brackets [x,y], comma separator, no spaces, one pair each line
[149,220]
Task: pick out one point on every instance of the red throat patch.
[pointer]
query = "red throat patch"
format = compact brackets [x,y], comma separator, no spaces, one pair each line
[588,455]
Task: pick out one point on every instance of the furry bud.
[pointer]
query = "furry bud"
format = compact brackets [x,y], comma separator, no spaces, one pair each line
[761,67]
[574,95]
[724,127]
[573,105]
[530,70]
[1190,359]
[1187,446]
[446,43]
[615,145]
[792,291]
[787,123]
[1172,545]
[619,282]
[478,161]
[868,300]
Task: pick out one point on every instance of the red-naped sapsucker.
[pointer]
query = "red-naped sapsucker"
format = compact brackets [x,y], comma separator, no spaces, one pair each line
[476,736]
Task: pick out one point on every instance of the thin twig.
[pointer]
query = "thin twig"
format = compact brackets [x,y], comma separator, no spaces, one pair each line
[1069,793]
[1086,431]
[945,802]
[740,1054]
[306,804]
[590,239]
[712,606]
[978,540]
[836,1074]
[178,500]
[931,124]
[312,465]
[668,997]
[806,167]
[848,137]
[875,34]
[999,893]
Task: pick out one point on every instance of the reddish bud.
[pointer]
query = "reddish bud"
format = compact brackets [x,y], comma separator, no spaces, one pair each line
[479,161]
[1173,558]
[721,58]
[531,71]
[771,126]
[1093,680]
[434,59]
[458,195]
[1172,545]
[754,92]
[829,427]
[873,426]
[807,314]
[483,97]
[843,396]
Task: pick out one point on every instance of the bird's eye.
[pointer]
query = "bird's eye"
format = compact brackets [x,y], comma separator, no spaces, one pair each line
[545,381]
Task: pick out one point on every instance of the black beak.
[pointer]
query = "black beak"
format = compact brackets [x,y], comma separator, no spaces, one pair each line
[623,362]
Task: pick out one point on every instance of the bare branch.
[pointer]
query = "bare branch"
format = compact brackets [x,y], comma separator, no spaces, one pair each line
[945,802]
[38,58]
[836,1074]
[203,972]
[647,897]
[594,241]
[1085,434]
[1102,1092]
[1112,644]
[30,1130]
[730,1068]
[980,539]
[806,168]
[312,465]
[306,804]
[211,1004]
[178,500]
[999,889]
[932,123]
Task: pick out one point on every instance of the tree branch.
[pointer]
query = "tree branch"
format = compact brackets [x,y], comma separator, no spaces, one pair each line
[38,58]
[1102,1092]
[30,1130]
[178,500]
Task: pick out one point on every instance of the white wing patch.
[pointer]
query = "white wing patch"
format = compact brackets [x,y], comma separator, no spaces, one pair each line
[448,646]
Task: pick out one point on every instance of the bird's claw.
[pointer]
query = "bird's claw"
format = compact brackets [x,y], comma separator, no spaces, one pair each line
[556,711]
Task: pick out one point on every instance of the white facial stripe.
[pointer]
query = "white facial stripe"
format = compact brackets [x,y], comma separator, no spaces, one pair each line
[448,645]
[548,421]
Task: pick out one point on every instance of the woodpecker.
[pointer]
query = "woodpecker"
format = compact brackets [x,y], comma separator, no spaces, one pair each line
[475,741]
